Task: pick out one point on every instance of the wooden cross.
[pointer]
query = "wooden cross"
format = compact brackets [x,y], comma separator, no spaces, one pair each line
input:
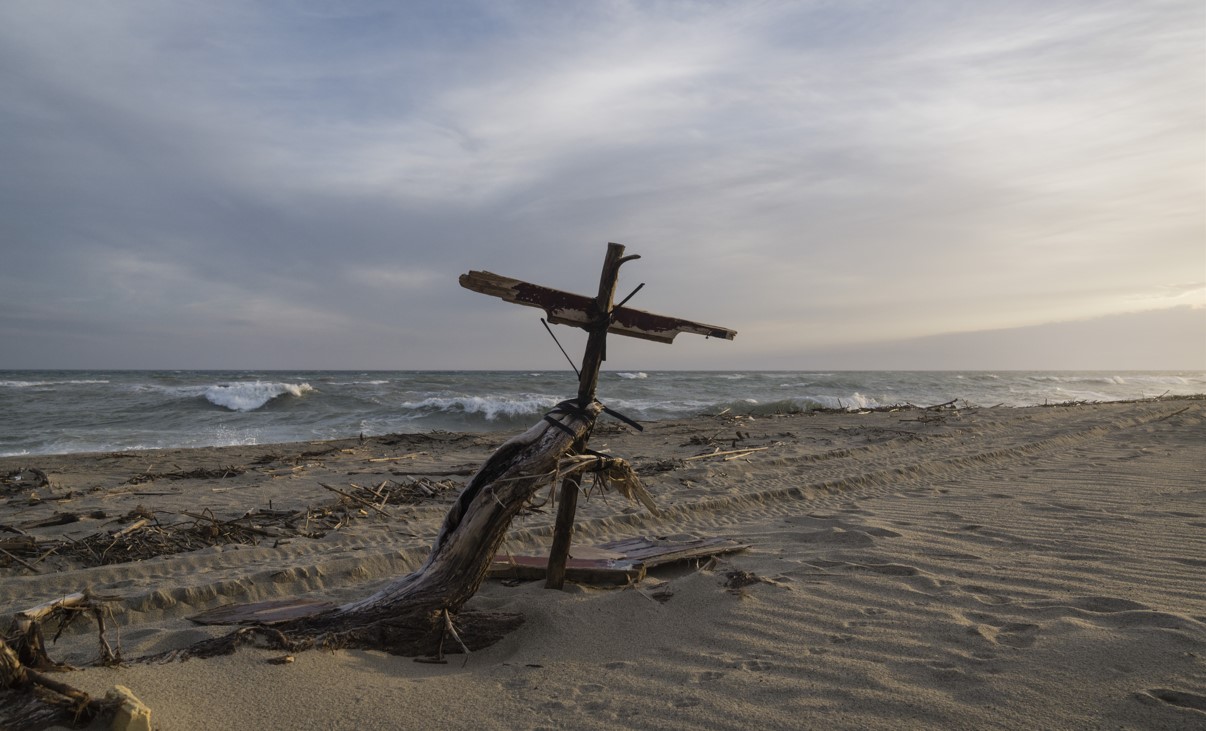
[598,316]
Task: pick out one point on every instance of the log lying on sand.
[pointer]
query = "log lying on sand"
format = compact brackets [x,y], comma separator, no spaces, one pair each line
[414,614]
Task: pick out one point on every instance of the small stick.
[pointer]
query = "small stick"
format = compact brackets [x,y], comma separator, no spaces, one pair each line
[131,527]
[362,501]
[452,631]
[48,553]
[731,451]
[21,561]
[394,459]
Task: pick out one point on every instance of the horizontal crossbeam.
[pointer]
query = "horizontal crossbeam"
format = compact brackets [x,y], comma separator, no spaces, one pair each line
[565,308]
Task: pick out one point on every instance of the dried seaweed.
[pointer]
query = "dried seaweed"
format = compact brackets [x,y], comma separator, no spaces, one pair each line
[201,473]
[148,534]
[24,478]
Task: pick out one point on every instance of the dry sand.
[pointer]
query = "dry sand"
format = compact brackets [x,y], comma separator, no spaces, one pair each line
[980,568]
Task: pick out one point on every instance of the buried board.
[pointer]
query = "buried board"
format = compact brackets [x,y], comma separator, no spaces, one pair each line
[616,562]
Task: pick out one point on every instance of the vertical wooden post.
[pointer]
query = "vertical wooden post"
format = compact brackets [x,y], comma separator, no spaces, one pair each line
[588,381]
[563,533]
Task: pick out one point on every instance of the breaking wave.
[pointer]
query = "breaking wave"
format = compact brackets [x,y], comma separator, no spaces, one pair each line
[251,395]
[492,408]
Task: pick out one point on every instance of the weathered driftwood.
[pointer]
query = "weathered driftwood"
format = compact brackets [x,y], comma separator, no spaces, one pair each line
[31,699]
[565,308]
[598,316]
[616,562]
[413,615]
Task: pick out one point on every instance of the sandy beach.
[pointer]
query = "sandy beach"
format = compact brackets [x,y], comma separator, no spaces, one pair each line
[995,568]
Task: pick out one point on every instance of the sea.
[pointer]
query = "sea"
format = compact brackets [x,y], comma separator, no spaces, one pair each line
[64,412]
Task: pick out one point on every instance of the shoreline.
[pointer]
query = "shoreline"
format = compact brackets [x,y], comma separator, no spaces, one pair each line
[118,411]
[993,567]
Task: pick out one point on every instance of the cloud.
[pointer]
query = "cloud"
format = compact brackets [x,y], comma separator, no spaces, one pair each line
[818,174]
[1168,339]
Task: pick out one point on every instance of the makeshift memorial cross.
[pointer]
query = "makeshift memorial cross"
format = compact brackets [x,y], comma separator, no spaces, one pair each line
[598,316]
[412,614]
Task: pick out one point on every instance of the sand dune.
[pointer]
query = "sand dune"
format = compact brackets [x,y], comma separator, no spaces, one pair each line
[983,568]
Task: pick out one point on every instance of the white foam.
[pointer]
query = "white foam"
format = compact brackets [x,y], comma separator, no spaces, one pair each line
[490,407]
[633,376]
[251,395]
[853,401]
[33,384]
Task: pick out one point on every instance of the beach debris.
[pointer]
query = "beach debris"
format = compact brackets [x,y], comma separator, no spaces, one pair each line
[200,473]
[31,699]
[736,581]
[622,562]
[148,535]
[597,316]
[131,714]
[25,478]
[564,308]
[729,454]
[56,519]
[413,614]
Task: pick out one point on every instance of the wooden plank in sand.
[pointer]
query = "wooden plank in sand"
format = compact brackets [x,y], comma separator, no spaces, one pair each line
[616,562]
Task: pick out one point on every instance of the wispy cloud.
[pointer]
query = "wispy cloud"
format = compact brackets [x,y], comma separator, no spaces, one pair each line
[815,172]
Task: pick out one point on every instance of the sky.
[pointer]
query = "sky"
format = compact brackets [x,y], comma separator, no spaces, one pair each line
[860,184]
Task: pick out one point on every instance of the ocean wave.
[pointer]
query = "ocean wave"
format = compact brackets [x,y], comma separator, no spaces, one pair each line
[633,376]
[491,408]
[1114,380]
[39,384]
[251,395]
[796,405]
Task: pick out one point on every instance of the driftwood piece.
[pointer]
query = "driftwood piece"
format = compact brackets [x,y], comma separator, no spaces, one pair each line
[616,562]
[598,316]
[409,615]
[565,308]
[29,698]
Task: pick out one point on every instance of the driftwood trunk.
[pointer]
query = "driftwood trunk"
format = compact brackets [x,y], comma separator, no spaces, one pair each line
[414,614]
[476,525]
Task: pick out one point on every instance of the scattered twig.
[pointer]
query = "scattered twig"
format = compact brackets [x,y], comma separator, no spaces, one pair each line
[748,450]
[354,499]
[19,560]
